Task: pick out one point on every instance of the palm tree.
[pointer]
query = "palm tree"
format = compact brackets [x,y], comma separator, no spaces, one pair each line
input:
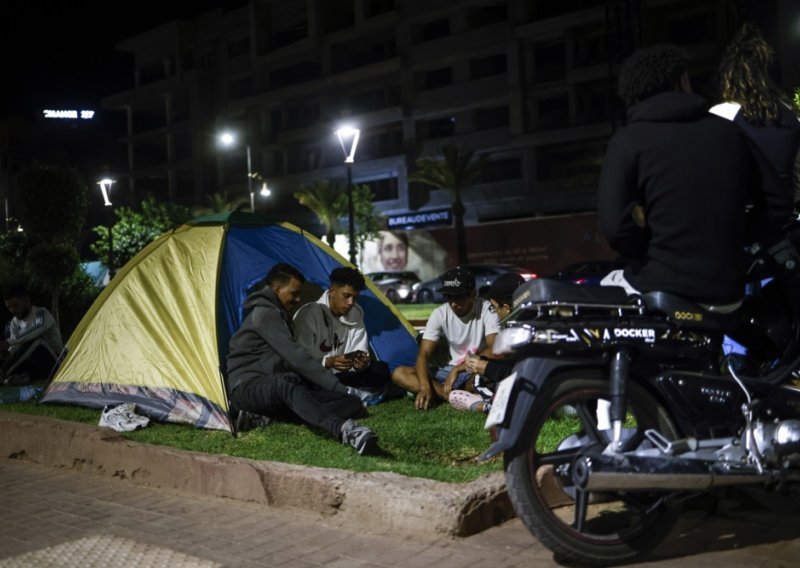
[321,196]
[456,171]
[221,202]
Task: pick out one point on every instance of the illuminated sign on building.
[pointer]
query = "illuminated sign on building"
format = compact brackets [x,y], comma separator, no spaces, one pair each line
[422,219]
[73,114]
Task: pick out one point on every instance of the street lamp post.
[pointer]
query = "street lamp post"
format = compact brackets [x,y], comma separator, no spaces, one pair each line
[250,182]
[229,139]
[348,138]
[105,187]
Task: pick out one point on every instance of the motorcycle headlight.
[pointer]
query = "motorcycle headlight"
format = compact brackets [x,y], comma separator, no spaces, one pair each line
[510,339]
[403,291]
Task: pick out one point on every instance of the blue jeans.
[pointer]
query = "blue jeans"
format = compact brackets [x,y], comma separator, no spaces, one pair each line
[441,376]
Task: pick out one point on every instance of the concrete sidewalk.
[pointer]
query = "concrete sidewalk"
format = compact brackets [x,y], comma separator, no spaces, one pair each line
[403,504]
[60,518]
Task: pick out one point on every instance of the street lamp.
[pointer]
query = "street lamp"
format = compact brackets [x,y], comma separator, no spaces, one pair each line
[229,139]
[105,188]
[348,138]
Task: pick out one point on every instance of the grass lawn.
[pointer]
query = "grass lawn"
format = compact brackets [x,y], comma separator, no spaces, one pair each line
[442,443]
[416,311]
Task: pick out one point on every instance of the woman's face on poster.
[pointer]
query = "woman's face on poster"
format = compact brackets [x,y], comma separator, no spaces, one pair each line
[393,252]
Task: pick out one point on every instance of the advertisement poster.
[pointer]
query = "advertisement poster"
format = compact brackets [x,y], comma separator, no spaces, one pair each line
[542,245]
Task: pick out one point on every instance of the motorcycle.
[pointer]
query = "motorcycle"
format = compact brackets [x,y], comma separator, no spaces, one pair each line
[620,409]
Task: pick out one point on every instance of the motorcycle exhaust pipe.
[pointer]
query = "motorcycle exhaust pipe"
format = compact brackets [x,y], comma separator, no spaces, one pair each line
[635,473]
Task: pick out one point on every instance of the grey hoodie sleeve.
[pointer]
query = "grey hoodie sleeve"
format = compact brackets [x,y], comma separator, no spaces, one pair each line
[274,330]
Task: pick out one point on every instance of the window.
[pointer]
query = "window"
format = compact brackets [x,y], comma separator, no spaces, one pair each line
[694,28]
[491,118]
[481,16]
[438,78]
[241,87]
[550,62]
[374,8]
[238,47]
[441,127]
[383,189]
[502,170]
[554,112]
[293,74]
[572,159]
[487,66]
[433,30]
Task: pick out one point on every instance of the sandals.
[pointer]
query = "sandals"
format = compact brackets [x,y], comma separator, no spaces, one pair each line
[467,401]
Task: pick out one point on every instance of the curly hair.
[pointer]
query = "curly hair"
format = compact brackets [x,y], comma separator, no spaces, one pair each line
[651,70]
[744,76]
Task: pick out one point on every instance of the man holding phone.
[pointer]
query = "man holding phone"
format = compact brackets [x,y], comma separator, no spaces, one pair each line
[332,330]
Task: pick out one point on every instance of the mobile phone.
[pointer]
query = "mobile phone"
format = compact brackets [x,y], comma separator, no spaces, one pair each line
[352,354]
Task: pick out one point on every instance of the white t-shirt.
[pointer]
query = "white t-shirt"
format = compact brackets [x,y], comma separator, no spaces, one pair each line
[463,334]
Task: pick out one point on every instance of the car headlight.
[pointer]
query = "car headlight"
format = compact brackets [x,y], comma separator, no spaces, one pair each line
[511,339]
[416,286]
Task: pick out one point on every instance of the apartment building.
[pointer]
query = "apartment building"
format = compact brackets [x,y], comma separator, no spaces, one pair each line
[529,83]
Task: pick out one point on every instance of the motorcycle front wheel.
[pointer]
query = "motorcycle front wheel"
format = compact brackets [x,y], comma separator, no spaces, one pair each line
[599,528]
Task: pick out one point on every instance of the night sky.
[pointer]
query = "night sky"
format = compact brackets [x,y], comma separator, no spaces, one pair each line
[59,54]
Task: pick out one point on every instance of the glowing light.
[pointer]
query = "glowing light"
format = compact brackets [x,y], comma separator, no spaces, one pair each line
[68,114]
[265,191]
[227,138]
[348,134]
[105,187]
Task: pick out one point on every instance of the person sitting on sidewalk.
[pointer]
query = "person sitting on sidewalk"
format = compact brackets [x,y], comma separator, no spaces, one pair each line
[468,323]
[31,343]
[332,330]
[487,373]
[269,372]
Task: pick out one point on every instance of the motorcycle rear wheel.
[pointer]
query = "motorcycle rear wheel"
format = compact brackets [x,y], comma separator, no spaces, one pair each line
[609,527]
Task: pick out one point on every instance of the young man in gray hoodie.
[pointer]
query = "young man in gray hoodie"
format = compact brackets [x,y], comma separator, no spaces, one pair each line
[268,371]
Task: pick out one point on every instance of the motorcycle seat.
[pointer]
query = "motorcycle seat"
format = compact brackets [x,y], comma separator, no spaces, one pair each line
[548,291]
[687,314]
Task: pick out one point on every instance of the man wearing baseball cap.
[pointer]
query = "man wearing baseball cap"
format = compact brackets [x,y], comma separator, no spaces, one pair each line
[469,324]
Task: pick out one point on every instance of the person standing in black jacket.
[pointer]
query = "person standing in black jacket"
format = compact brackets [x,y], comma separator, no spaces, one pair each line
[674,187]
[268,371]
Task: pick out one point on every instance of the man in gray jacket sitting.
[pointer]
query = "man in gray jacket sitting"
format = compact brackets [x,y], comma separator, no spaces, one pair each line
[268,371]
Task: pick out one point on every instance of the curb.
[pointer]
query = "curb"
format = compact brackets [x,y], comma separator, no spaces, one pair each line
[402,504]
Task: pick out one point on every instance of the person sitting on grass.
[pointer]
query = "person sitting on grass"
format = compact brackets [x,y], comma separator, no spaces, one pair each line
[468,323]
[269,372]
[487,372]
[31,343]
[332,330]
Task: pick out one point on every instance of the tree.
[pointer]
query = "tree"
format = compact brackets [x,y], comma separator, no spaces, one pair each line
[456,171]
[134,229]
[368,223]
[222,202]
[54,203]
[323,198]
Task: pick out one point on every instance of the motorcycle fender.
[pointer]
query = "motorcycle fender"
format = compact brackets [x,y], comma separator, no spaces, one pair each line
[532,374]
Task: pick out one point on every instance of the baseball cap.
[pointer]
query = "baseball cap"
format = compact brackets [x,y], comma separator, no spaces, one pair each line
[503,287]
[457,281]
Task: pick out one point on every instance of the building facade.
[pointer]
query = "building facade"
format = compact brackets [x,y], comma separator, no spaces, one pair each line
[528,83]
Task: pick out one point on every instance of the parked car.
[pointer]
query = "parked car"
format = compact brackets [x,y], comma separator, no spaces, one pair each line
[590,272]
[427,292]
[396,286]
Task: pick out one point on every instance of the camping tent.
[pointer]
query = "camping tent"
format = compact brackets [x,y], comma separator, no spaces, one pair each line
[157,333]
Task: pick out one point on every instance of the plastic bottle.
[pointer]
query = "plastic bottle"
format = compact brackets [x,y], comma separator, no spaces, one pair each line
[18,394]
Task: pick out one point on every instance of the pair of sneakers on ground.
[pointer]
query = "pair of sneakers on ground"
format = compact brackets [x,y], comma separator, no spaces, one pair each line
[122,418]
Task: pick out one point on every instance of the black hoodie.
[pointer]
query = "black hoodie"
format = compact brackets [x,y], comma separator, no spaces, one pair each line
[264,347]
[692,173]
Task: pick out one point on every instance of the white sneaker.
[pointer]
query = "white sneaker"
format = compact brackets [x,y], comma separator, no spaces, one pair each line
[122,418]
